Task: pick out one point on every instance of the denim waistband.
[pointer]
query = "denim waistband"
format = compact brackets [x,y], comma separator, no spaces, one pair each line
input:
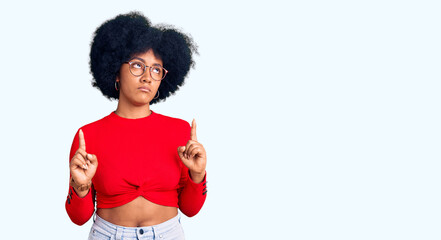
[118,232]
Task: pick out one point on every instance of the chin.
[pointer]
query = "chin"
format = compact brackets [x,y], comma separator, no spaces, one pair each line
[141,102]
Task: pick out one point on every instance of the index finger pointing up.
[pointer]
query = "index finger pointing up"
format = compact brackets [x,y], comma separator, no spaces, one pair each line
[82,144]
[193,131]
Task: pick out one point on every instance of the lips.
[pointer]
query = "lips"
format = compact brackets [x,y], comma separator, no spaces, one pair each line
[145,89]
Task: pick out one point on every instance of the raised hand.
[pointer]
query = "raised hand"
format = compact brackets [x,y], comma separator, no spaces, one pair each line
[83,165]
[193,156]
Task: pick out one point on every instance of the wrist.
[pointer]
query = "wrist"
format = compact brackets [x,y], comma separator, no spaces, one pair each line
[197,177]
[81,194]
[80,189]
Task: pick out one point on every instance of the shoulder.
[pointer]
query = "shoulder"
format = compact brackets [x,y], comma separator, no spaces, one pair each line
[176,128]
[173,122]
[95,125]
[89,131]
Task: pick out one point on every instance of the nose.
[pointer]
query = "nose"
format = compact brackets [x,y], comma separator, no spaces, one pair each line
[146,77]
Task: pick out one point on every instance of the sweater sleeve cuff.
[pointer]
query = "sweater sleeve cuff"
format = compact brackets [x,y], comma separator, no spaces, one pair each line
[73,196]
[202,186]
[79,209]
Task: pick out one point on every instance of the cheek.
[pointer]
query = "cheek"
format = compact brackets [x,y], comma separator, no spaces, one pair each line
[128,82]
[157,85]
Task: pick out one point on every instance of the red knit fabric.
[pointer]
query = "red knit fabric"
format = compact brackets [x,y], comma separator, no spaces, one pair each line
[136,157]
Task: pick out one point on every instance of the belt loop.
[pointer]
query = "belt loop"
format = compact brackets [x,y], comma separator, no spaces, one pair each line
[154,233]
[119,232]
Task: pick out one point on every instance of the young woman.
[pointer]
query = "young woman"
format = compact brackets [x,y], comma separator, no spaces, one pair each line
[139,166]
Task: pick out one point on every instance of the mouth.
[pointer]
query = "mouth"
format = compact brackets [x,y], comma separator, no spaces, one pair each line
[145,89]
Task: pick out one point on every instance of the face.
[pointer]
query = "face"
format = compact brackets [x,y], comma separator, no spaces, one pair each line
[138,90]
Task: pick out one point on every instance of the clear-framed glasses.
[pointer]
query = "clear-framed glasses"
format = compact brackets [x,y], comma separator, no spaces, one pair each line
[137,68]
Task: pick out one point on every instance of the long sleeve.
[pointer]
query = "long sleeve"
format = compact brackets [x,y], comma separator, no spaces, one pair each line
[191,195]
[79,209]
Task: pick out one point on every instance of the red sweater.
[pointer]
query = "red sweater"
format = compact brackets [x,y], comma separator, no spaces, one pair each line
[136,157]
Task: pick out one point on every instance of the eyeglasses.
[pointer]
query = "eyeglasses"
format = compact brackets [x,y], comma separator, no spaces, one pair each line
[138,68]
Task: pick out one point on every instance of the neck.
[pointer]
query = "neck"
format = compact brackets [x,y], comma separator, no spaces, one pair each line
[132,111]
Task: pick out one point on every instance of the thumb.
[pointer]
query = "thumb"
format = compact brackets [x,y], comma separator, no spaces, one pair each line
[181,150]
[92,158]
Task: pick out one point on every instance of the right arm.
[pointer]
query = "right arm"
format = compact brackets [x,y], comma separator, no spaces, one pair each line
[80,202]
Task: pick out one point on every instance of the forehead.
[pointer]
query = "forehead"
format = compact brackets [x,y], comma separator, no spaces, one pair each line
[148,57]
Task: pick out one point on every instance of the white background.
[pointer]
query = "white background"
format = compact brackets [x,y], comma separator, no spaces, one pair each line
[321,119]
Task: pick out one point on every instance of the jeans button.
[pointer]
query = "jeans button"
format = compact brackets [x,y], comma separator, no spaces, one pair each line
[141,231]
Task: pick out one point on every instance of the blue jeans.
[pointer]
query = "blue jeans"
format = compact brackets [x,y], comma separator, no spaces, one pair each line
[168,230]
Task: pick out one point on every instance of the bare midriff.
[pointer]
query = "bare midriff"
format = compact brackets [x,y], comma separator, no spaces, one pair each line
[138,213]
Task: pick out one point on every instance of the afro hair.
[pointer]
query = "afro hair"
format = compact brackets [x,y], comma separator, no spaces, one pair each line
[119,39]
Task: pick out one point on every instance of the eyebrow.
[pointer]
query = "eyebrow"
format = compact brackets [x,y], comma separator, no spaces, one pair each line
[142,60]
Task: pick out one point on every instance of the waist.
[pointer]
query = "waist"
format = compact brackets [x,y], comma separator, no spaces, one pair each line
[138,212]
[101,226]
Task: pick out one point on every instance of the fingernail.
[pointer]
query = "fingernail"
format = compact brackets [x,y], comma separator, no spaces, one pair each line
[89,155]
[84,166]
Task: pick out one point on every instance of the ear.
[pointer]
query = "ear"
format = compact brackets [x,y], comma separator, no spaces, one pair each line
[117,84]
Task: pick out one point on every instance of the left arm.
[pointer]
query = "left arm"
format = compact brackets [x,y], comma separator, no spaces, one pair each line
[193,184]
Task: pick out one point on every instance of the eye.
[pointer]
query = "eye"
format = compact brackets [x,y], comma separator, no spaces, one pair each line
[157,70]
[137,65]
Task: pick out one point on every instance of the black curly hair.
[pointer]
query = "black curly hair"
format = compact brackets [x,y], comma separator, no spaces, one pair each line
[119,39]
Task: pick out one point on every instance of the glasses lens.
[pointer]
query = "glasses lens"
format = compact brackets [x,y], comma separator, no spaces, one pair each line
[137,68]
[157,73]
